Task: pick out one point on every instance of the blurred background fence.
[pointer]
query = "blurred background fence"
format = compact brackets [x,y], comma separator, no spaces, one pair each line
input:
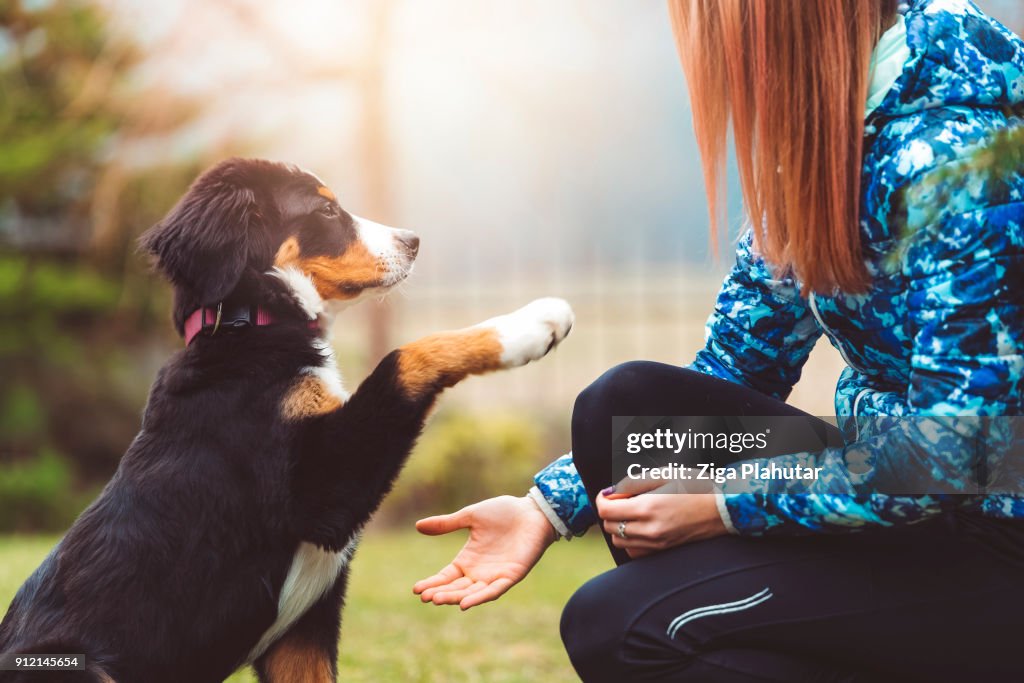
[538,148]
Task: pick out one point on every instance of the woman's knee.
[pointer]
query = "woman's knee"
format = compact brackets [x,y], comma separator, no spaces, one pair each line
[613,389]
[622,390]
[589,632]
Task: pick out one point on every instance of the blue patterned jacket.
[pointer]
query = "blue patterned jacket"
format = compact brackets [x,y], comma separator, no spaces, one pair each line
[939,333]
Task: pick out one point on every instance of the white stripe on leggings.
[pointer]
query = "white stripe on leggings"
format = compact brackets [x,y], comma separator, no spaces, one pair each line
[710,610]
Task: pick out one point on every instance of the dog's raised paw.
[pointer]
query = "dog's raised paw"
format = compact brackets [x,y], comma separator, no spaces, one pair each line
[529,333]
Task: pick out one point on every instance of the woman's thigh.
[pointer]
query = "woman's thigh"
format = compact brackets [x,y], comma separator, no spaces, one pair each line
[929,602]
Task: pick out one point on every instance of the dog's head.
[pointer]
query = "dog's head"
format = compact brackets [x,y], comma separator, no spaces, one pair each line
[252,216]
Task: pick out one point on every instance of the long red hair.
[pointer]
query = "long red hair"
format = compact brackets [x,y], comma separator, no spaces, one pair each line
[790,77]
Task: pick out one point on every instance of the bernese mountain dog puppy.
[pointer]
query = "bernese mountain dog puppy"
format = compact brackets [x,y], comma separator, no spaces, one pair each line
[225,536]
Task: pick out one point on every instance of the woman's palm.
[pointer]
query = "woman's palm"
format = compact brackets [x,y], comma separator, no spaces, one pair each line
[507,536]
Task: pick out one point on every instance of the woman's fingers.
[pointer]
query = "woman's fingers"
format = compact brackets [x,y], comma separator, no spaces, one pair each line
[629,487]
[639,535]
[443,524]
[454,597]
[451,587]
[434,526]
[492,591]
[636,543]
[457,584]
[443,577]
[634,529]
[622,509]
[618,507]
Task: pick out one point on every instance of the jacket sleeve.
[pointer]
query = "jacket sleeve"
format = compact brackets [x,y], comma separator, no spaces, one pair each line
[759,335]
[967,325]
[761,330]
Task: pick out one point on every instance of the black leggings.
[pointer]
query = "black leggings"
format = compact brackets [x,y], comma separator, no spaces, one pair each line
[942,600]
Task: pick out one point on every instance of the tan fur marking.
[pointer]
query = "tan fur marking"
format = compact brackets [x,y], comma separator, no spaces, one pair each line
[292,660]
[326,192]
[287,253]
[308,397]
[442,360]
[343,277]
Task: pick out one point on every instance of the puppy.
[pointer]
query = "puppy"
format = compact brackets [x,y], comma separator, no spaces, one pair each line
[225,536]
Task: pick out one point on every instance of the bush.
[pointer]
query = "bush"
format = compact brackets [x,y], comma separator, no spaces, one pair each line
[465,457]
[36,494]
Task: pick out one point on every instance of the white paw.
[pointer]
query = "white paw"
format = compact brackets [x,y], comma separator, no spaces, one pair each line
[529,333]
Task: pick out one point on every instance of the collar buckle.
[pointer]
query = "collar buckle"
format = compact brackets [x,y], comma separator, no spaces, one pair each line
[211,320]
[228,319]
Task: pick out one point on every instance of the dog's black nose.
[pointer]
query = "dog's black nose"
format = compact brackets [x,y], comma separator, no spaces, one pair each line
[409,240]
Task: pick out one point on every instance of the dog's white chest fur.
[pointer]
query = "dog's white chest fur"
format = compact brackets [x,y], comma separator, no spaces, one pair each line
[312,574]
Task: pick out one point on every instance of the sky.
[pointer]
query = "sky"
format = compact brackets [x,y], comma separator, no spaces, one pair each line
[517,133]
[512,136]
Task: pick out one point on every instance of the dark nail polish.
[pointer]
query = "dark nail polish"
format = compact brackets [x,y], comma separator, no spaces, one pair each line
[608,491]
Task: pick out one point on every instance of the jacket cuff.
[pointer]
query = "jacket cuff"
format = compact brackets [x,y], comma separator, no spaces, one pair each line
[541,502]
[748,514]
[560,485]
[723,512]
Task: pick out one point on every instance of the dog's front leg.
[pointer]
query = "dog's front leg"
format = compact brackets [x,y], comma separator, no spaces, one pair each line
[430,365]
[350,457]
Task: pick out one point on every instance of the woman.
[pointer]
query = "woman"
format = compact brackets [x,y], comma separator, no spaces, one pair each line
[856,125]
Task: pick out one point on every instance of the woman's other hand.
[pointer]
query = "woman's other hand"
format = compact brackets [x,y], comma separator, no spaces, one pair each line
[507,536]
[657,518]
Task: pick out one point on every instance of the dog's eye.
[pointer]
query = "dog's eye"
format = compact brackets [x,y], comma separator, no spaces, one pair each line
[329,210]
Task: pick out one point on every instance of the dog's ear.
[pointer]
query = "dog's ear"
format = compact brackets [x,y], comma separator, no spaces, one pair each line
[206,241]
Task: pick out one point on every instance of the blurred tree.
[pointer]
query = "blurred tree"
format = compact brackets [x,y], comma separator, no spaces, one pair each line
[82,322]
[77,309]
[52,119]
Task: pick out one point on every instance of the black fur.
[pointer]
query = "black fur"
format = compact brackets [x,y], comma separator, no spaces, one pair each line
[174,572]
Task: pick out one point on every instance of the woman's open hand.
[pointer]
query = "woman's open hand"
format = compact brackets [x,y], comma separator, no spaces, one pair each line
[657,517]
[507,535]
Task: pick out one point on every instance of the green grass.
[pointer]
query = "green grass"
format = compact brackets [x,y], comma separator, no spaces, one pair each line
[388,635]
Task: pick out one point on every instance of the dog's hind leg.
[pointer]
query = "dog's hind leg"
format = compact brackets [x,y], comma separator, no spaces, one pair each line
[348,458]
[308,651]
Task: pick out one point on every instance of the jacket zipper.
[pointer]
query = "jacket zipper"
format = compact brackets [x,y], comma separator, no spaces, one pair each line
[828,332]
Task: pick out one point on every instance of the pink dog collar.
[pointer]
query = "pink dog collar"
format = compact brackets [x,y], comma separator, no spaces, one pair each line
[213,319]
